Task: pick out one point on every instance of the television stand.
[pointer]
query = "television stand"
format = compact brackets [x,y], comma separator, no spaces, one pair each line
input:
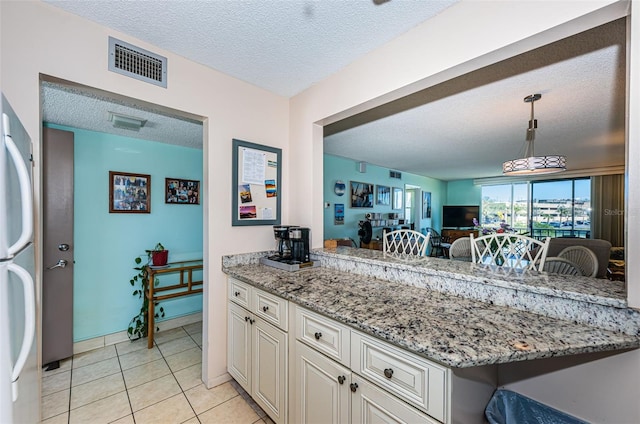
[452,234]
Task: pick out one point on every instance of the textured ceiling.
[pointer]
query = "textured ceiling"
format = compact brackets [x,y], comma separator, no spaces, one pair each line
[464,128]
[284,46]
[80,108]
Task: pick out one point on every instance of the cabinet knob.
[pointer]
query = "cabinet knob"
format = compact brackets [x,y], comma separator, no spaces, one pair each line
[317,335]
[265,308]
[354,387]
[388,372]
[341,379]
[236,294]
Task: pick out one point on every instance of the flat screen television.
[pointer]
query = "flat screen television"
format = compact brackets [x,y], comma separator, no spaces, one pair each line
[459,216]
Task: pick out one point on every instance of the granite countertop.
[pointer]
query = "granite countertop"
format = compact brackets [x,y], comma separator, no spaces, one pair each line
[593,290]
[452,330]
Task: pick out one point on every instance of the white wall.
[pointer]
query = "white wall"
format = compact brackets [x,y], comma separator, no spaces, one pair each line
[37,38]
[465,37]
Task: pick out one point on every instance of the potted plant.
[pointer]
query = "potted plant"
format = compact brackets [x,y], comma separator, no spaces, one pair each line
[138,325]
[158,256]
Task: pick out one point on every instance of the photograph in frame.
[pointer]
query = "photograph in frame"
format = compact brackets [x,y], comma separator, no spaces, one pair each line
[129,192]
[383,195]
[397,198]
[426,204]
[361,195]
[181,192]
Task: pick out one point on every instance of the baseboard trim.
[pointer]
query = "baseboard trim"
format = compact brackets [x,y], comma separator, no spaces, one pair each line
[121,336]
[218,380]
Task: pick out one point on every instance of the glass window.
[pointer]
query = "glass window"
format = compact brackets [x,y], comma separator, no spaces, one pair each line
[505,204]
[558,208]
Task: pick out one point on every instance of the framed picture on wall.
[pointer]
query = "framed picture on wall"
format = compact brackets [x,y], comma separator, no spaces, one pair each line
[383,195]
[129,193]
[181,192]
[256,175]
[361,195]
[397,198]
[426,204]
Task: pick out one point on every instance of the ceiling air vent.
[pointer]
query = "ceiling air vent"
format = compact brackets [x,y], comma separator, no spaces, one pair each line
[134,62]
[395,174]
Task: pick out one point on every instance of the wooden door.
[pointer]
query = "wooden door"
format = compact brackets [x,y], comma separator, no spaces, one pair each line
[57,247]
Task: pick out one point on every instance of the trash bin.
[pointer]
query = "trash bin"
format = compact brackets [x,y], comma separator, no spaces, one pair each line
[507,407]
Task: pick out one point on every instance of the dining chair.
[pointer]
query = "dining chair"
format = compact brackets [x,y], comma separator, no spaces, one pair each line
[583,257]
[510,250]
[438,243]
[557,265]
[460,249]
[405,241]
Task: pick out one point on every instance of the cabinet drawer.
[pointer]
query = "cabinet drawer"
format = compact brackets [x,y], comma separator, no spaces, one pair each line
[271,308]
[239,292]
[324,335]
[412,378]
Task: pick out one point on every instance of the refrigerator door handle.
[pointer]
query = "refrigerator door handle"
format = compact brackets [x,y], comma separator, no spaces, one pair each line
[29,324]
[25,191]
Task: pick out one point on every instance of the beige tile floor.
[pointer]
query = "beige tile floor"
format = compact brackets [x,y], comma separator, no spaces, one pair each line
[127,383]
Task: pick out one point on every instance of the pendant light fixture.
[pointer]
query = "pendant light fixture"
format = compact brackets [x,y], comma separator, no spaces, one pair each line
[532,164]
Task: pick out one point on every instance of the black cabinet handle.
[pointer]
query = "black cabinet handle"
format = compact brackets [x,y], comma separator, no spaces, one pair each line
[354,387]
[236,294]
[246,319]
[265,308]
[388,372]
[251,321]
[341,379]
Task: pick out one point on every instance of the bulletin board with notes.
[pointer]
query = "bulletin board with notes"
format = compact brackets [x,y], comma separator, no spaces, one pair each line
[257,181]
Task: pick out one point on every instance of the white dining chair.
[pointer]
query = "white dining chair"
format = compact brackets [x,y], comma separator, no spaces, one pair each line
[509,250]
[460,249]
[583,257]
[405,241]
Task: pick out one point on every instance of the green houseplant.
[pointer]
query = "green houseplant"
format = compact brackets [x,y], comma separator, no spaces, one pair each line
[138,324]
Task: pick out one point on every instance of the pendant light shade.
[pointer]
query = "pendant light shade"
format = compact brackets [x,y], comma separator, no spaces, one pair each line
[532,164]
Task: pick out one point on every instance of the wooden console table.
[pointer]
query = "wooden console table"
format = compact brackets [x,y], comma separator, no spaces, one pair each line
[185,287]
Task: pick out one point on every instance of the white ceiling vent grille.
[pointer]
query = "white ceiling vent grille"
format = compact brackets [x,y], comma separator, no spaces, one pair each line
[134,62]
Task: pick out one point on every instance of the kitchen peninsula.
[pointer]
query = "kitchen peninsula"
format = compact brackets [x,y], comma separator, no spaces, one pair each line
[465,318]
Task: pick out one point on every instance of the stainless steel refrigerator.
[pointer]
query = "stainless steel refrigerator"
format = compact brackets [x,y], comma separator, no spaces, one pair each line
[19,371]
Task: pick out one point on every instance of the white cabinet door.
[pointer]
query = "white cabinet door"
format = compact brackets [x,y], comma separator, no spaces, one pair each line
[269,360]
[239,345]
[372,405]
[321,389]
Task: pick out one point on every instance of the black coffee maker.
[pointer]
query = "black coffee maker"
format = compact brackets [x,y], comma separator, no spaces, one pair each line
[299,237]
[283,243]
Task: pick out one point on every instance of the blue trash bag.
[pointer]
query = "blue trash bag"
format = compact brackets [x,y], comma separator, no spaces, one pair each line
[507,407]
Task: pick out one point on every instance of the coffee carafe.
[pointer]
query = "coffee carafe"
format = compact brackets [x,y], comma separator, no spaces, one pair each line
[283,243]
[299,237]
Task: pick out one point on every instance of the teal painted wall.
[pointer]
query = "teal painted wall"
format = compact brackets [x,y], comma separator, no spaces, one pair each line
[463,192]
[106,244]
[346,170]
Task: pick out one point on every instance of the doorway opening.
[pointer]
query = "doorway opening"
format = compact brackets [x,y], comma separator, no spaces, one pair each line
[106,243]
